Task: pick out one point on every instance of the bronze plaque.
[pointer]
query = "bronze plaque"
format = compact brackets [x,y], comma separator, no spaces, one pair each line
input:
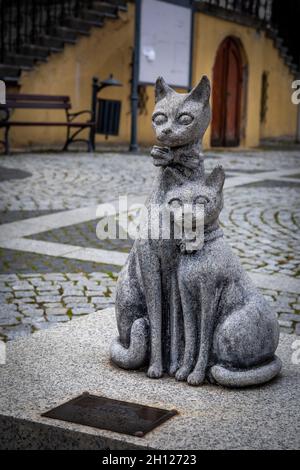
[112,415]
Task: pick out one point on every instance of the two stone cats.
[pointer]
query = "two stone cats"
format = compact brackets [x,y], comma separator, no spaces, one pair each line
[194,314]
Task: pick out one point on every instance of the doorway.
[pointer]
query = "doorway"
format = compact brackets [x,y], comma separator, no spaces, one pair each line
[228,83]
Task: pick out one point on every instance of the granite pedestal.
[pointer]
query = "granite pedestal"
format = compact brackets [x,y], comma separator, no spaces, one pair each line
[56,365]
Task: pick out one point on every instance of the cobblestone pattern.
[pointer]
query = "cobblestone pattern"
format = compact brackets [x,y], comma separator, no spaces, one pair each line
[84,235]
[262,223]
[67,181]
[33,301]
[12,216]
[14,261]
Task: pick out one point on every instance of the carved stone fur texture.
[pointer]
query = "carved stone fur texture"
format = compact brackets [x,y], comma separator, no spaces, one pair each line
[195,315]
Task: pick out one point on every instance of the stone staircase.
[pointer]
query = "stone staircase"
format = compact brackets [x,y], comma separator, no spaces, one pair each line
[31,30]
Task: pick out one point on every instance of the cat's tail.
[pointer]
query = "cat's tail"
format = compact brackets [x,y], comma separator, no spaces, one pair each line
[247,377]
[136,354]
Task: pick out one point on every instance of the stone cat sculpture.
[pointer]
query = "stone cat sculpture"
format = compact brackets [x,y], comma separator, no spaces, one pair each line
[193,314]
[231,333]
[147,285]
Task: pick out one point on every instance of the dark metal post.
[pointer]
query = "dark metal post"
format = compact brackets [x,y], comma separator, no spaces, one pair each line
[192,44]
[95,89]
[135,77]
[2,32]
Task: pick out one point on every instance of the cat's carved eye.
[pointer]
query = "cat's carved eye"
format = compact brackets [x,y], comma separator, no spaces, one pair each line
[185,119]
[175,203]
[159,119]
[201,200]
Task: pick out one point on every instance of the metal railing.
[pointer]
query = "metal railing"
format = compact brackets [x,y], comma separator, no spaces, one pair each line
[259,9]
[26,21]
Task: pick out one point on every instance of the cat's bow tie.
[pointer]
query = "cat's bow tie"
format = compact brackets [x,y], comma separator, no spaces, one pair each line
[163,158]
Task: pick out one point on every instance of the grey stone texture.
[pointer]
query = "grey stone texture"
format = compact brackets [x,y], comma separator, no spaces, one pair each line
[191,312]
[21,315]
[53,366]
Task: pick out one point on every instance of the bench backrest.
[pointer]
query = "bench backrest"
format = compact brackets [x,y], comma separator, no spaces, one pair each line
[27,101]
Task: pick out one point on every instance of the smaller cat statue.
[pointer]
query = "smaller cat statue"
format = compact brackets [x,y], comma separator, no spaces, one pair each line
[230,332]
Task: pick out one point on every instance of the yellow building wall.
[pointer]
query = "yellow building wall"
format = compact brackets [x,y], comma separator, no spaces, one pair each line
[281,119]
[109,50]
[261,56]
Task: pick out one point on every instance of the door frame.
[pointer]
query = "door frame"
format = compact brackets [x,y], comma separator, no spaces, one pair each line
[242,97]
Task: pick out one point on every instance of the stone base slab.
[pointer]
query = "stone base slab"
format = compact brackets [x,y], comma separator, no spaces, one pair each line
[58,364]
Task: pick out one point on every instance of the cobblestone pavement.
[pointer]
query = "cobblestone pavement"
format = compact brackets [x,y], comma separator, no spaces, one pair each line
[55,270]
[68,180]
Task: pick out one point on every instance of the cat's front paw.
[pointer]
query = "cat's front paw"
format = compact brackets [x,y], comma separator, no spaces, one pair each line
[173,369]
[155,371]
[182,373]
[196,378]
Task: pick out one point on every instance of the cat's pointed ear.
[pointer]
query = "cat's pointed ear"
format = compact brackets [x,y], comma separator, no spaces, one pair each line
[201,92]
[216,179]
[161,89]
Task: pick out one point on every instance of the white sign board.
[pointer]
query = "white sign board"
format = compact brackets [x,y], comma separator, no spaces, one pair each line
[165,43]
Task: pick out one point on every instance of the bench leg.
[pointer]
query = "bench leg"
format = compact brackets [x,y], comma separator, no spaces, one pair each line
[72,138]
[91,141]
[6,140]
[68,140]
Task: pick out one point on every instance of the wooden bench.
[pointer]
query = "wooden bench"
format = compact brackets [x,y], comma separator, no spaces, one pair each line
[29,101]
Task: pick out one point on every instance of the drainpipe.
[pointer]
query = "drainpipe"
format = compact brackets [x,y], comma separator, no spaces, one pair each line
[135,78]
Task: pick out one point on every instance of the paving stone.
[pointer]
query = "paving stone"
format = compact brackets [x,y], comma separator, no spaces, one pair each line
[5,296]
[22,286]
[48,292]
[46,287]
[98,300]
[23,300]
[31,311]
[297,331]
[18,331]
[54,277]
[52,305]
[4,288]
[74,299]
[73,292]
[9,320]
[103,306]
[98,276]
[287,331]
[35,323]
[290,317]
[95,293]
[9,278]
[7,308]
[21,294]
[52,319]
[28,276]
[285,323]
[84,303]
[56,311]
[48,298]
[39,282]
[83,310]
[74,277]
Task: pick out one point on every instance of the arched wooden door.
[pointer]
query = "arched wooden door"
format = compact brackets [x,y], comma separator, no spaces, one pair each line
[227,95]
